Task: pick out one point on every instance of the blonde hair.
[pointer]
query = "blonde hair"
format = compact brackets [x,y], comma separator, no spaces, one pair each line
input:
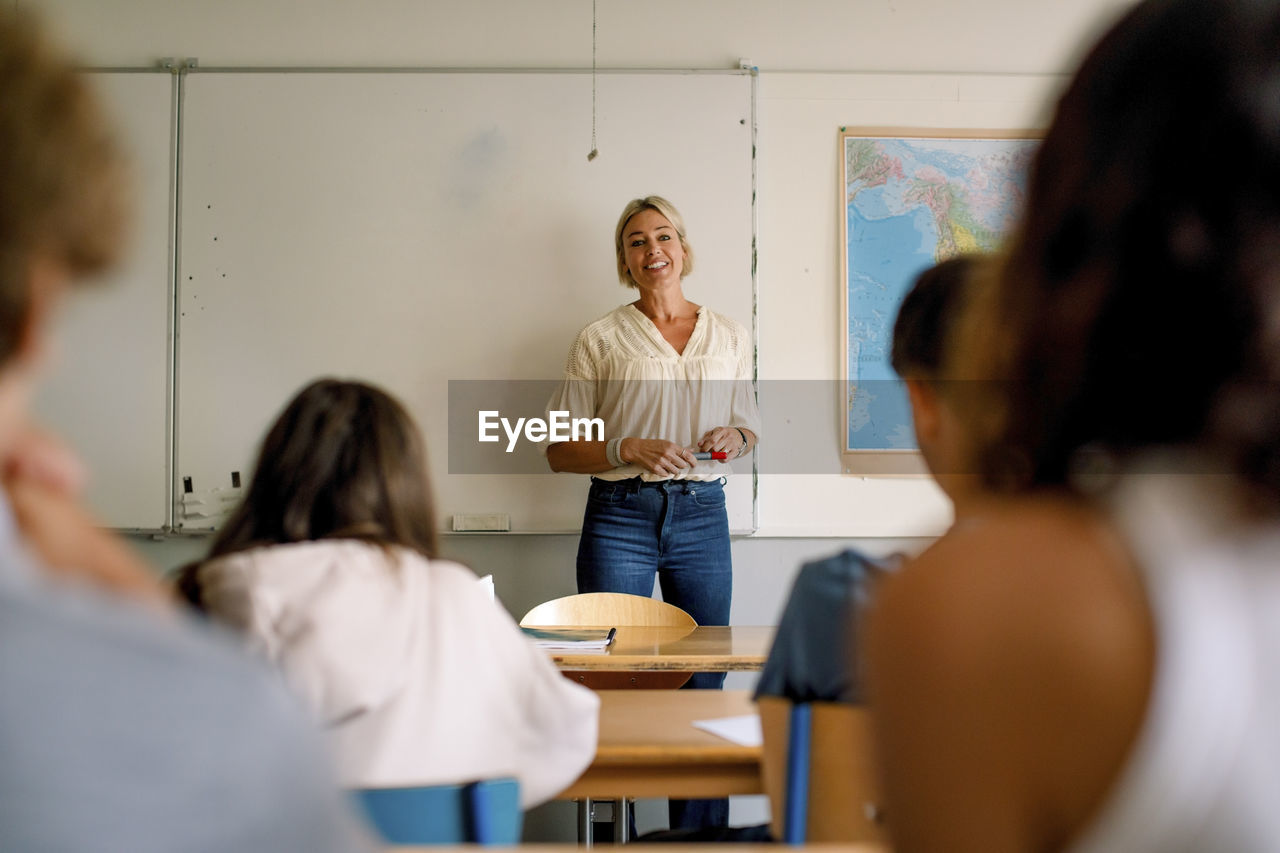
[62,173]
[668,210]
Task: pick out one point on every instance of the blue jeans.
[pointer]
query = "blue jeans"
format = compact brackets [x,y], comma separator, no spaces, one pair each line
[677,530]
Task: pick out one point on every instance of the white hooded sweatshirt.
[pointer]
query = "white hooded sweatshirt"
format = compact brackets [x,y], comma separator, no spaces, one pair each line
[416,675]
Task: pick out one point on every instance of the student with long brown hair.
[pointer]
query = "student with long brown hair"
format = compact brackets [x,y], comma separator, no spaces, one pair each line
[329,569]
[1094,662]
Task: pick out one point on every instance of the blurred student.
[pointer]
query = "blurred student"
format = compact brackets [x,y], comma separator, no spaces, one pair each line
[121,728]
[1095,664]
[812,654]
[329,569]
[924,326]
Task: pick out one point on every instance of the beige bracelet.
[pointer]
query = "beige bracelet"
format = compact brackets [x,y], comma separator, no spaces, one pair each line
[611,450]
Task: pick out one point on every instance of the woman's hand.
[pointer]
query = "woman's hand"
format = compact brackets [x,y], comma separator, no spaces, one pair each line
[657,456]
[726,439]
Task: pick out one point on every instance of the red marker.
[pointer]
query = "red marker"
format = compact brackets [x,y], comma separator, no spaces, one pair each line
[714,454]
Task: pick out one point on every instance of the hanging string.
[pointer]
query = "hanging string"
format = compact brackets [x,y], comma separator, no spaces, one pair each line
[594,151]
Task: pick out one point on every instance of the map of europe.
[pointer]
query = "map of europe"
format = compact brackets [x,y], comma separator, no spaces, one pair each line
[909,203]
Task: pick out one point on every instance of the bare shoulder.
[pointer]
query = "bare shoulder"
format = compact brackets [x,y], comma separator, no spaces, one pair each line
[1050,567]
[1026,635]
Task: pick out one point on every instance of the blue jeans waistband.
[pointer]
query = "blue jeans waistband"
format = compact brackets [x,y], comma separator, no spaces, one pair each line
[636,483]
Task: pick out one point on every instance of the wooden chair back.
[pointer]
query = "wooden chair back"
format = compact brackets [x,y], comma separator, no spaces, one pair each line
[838,798]
[486,812]
[607,610]
[613,610]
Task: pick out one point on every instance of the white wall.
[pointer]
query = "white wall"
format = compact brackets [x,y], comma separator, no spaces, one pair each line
[800,283]
[937,36]
[823,64]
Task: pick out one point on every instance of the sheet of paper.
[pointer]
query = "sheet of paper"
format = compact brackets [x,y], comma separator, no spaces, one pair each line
[743,730]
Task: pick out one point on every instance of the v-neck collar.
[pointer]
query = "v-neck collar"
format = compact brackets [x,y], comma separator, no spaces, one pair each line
[651,329]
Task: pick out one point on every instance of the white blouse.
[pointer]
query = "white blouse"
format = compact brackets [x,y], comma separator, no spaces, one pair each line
[623,371]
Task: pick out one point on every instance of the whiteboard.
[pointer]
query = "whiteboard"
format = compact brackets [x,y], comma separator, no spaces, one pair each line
[107,389]
[414,229]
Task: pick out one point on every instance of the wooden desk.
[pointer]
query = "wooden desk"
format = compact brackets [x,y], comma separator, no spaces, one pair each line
[707,648]
[648,747]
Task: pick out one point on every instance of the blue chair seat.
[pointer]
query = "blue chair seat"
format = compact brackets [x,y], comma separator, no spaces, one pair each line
[486,812]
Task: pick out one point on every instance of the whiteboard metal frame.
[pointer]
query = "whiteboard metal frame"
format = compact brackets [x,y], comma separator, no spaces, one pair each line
[184,67]
[180,68]
[172,173]
[175,208]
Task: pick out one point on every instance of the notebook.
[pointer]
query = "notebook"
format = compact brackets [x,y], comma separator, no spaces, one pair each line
[571,639]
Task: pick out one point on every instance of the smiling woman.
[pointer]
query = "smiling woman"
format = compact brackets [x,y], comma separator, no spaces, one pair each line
[669,378]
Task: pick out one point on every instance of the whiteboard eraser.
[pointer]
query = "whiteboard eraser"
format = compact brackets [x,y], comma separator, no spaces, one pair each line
[482,521]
